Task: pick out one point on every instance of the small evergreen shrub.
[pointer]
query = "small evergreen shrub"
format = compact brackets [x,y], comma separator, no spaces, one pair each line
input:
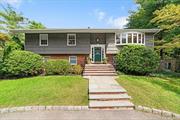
[137,59]
[22,63]
[57,67]
[77,69]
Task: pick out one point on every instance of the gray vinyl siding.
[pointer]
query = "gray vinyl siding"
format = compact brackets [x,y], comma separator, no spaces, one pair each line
[149,40]
[57,44]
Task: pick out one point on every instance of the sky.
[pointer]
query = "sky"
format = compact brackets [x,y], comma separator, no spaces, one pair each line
[76,13]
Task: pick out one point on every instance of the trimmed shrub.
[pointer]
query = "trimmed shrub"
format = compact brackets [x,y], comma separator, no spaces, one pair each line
[22,63]
[137,59]
[57,67]
[77,69]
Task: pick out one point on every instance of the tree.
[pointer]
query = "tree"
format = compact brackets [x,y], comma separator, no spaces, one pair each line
[142,17]
[10,19]
[35,25]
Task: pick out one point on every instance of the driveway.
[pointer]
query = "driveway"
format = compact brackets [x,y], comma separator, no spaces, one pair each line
[82,115]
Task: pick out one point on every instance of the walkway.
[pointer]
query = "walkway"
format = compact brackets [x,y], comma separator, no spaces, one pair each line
[105,92]
[81,115]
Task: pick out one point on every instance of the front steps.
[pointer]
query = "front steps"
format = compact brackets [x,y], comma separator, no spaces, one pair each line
[99,70]
[106,93]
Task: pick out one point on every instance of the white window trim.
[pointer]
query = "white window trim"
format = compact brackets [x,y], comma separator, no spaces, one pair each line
[68,40]
[121,43]
[70,60]
[40,39]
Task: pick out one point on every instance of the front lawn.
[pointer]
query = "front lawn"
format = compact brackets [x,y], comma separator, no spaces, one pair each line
[44,90]
[162,92]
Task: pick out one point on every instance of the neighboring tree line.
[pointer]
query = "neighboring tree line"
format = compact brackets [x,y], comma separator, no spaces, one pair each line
[162,14]
[11,19]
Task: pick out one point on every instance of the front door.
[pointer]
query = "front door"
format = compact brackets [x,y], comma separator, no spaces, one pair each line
[97,54]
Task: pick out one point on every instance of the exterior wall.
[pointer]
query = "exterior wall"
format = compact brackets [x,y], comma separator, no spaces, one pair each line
[81,58]
[57,44]
[100,36]
[110,58]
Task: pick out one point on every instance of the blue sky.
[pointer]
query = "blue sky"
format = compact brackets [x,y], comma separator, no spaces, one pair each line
[76,13]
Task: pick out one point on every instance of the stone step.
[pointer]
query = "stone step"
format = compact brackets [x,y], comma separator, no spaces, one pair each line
[109,97]
[107,91]
[99,74]
[110,104]
[99,71]
[98,65]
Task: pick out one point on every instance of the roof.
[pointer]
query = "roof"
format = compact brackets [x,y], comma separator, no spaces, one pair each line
[88,30]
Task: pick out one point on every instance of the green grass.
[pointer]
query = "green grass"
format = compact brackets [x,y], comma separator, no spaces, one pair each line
[44,90]
[161,92]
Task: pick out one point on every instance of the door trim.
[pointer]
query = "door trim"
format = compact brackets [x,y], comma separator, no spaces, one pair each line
[102,52]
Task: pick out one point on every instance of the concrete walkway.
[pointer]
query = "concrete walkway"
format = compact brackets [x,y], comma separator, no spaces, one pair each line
[105,92]
[81,115]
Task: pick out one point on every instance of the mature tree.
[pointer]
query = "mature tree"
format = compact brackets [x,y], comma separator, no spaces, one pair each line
[35,25]
[142,17]
[10,19]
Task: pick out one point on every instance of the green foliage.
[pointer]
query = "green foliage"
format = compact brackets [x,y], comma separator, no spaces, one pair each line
[77,69]
[22,63]
[168,17]
[35,25]
[137,60]
[57,67]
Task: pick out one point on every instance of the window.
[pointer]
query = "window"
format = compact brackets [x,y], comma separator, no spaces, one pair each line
[71,39]
[134,37]
[123,38]
[130,38]
[118,38]
[43,39]
[73,60]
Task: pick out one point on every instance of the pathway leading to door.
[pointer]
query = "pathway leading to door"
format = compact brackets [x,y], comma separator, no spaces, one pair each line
[105,92]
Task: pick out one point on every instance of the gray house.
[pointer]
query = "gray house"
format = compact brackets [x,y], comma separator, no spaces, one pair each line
[76,45]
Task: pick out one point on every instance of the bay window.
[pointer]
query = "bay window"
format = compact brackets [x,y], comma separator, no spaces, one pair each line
[130,38]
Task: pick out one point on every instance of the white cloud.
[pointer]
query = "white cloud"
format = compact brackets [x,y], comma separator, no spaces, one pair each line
[99,14]
[118,22]
[14,3]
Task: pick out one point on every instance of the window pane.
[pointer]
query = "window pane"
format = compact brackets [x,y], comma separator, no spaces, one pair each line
[142,38]
[135,37]
[118,38]
[71,36]
[43,42]
[139,38]
[44,36]
[129,38]
[123,38]
[71,42]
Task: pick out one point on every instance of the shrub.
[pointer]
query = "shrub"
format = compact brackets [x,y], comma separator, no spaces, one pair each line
[57,67]
[77,69]
[137,60]
[22,63]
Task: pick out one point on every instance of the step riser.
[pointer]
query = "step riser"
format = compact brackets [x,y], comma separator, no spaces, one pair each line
[109,99]
[107,93]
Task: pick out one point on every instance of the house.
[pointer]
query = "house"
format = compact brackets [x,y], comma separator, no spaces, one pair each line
[77,45]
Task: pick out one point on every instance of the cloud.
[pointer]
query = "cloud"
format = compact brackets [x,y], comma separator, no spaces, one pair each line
[14,3]
[118,22]
[99,14]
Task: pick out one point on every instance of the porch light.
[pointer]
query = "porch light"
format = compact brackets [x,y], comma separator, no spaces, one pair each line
[97,39]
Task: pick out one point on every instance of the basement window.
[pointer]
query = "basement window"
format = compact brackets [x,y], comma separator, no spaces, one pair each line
[73,60]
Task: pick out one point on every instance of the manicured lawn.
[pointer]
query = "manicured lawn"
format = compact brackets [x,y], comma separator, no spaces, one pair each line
[162,92]
[48,90]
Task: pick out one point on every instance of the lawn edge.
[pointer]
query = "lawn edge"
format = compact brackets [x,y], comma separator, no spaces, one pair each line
[158,112]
